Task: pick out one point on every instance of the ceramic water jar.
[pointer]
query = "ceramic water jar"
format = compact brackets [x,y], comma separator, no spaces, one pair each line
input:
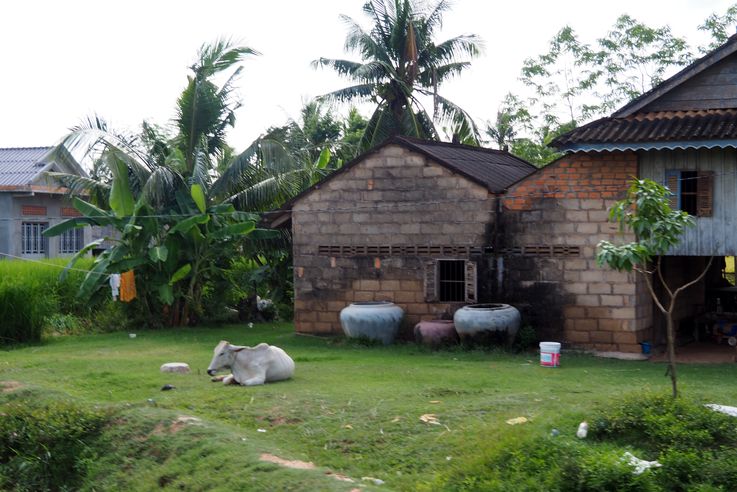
[499,320]
[436,332]
[373,320]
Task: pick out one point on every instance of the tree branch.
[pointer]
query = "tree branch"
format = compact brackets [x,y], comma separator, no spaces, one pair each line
[662,280]
[686,286]
[652,293]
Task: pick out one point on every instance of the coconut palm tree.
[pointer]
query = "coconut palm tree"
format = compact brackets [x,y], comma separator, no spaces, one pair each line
[399,62]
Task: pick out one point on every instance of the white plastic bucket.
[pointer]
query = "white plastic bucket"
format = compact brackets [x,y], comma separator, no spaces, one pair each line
[550,354]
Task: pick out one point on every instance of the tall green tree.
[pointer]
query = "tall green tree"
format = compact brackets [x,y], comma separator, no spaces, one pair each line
[400,61]
[563,80]
[514,130]
[576,81]
[646,213]
[352,129]
[179,210]
[635,57]
[720,27]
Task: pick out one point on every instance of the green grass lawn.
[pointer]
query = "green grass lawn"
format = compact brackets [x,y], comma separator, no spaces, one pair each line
[350,409]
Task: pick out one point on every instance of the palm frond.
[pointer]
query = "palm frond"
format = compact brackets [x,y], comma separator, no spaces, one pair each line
[375,71]
[201,170]
[161,186]
[242,167]
[451,49]
[417,123]
[345,68]
[434,17]
[219,56]
[270,192]
[454,114]
[76,185]
[138,170]
[383,16]
[92,137]
[381,126]
[437,75]
[276,158]
[361,92]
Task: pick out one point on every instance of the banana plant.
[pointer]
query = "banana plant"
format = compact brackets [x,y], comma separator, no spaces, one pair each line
[174,251]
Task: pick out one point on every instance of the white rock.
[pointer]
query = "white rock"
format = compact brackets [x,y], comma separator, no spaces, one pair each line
[180,367]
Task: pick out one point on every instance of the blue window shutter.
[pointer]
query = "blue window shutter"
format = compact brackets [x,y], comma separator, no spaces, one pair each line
[673,182]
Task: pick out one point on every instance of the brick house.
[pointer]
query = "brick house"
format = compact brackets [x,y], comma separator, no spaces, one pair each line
[30,203]
[682,133]
[410,221]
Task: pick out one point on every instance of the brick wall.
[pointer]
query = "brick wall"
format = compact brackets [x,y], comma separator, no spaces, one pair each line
[568,297]
[392,197]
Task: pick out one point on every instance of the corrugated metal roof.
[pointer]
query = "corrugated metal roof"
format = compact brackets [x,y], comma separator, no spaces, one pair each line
[494,169]
[665,126]
[18,166]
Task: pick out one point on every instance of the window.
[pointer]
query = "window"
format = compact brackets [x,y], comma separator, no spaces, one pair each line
[450,281]
[71,241]
[32,240]
[691,191]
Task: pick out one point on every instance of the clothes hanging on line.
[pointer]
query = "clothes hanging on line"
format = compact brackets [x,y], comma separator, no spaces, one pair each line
[127,286]
[115,285]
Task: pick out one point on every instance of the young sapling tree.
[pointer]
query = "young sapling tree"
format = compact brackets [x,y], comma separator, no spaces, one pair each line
[657,227]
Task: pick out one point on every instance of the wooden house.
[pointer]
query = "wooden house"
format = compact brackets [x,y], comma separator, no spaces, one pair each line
[682,133]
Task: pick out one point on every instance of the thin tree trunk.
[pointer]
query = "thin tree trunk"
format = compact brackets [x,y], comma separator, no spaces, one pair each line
[671,350]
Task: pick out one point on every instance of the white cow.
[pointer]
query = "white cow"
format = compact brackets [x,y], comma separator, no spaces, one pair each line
[251,365]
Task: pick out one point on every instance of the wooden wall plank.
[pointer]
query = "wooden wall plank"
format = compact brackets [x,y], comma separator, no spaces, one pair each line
[715,235]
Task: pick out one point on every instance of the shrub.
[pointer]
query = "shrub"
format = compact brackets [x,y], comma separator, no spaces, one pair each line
[65,324]
[33,296]
[604,470]
[660,422]
[24,304]
[696,447]
[526,338]
[43,446]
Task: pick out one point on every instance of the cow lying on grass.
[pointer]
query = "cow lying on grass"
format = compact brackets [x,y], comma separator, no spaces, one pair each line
[251,365]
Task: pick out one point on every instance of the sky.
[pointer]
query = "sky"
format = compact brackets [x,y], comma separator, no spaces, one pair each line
[63,61]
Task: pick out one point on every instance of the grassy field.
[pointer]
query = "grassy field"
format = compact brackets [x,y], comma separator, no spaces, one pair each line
[350,409]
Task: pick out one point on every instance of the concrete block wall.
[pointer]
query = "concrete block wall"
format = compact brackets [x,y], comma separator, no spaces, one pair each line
[392,197]
[57,209]
[570,297]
